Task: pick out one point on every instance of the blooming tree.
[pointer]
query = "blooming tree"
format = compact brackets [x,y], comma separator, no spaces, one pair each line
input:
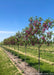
[18,36]
[36,33]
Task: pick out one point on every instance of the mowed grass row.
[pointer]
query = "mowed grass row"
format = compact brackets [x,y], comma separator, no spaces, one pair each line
[6,66]
[33,50]
[44,67]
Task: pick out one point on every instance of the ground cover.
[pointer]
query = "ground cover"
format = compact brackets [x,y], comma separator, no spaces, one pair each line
[44,67]
[6,66]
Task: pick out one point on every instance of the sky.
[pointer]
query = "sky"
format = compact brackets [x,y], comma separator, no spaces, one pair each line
[14,14]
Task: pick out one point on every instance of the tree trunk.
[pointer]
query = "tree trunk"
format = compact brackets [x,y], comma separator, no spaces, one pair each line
[18,50]
[48,43]
[14,47]
[39,60]
[25,56]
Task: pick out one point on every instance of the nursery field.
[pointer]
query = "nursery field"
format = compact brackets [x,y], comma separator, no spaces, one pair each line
[6,66]
[26,37]
[46,56]
[46,52]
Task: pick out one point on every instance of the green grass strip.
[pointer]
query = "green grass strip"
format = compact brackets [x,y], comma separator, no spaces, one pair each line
[6,66]
[44,67]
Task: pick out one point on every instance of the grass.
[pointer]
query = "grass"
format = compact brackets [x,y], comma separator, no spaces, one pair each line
[22,71]
[44,67]
[19,62]
[6,66]
[33,50]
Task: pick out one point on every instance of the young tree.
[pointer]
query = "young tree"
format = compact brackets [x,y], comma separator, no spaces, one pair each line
[36,33]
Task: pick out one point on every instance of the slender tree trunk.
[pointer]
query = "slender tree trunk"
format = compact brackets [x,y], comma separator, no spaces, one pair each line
[25,56]
[9,45]
[18,47]
[18,50]
[39,60]
[14,47]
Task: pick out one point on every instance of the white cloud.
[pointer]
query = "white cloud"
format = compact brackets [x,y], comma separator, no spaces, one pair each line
[6,32]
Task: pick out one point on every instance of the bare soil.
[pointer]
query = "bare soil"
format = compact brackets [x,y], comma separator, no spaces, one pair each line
[22,65]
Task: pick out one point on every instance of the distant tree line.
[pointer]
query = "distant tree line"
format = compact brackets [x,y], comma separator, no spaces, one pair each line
[35,33]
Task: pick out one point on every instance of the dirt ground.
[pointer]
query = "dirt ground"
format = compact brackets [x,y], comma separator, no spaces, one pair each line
[23,66]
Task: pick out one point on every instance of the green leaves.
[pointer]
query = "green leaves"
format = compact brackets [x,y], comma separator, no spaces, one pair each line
[34,32]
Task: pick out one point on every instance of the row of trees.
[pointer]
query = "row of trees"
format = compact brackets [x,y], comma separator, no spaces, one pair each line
[36,33]
[14,40]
